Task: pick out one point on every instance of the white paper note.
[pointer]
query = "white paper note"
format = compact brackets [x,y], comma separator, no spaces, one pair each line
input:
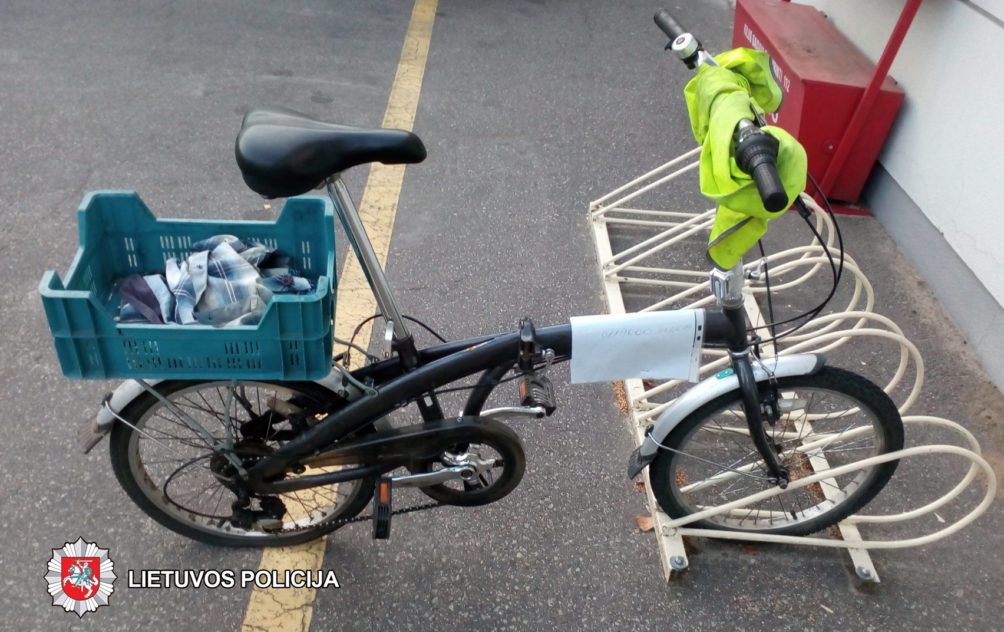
[649,345]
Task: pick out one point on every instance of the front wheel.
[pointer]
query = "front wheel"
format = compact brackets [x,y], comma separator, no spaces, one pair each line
[828,419]
[172,473]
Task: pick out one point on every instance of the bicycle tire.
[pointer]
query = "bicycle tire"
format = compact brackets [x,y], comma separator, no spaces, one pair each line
[140,461]
[709,460]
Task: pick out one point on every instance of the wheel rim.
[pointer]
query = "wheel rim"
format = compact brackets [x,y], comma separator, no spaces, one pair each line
[174,468]
[819,429]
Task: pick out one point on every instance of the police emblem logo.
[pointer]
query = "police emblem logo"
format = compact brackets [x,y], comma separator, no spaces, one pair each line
[80,577]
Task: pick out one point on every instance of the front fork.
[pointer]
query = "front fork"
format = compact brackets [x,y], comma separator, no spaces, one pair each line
[727,286]
[759,408]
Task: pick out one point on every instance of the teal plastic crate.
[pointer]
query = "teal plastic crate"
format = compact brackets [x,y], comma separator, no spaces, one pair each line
[119,236]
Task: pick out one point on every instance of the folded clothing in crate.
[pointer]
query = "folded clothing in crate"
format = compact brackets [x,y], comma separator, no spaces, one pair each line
[120,237]
[225,281]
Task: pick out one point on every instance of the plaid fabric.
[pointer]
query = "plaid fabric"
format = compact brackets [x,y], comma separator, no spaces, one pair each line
[187,280]
[219,284]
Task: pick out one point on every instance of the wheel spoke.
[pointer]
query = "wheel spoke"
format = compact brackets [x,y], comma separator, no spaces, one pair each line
[709,459]
[170,465]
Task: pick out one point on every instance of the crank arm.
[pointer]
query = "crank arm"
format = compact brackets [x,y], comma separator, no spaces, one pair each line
[455,473]
[514,411]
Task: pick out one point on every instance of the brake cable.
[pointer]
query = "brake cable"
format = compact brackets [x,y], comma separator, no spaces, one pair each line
[836,266]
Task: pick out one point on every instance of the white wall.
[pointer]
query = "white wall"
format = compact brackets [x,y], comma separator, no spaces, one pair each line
[946,148]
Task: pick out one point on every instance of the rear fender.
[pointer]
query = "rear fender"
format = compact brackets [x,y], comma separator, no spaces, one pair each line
[113,404]
[119,399]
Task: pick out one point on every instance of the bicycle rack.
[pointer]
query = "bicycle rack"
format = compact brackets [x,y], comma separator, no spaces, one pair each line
[633,266]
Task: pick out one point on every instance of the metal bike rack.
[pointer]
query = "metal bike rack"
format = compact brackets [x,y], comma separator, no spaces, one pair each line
[636,266]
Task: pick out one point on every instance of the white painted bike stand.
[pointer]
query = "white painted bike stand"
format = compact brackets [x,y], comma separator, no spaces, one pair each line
[633,267]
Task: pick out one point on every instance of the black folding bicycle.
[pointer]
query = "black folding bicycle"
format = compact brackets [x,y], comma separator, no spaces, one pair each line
[261,463]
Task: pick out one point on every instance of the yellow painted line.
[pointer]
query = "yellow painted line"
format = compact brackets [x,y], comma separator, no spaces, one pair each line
[290,609]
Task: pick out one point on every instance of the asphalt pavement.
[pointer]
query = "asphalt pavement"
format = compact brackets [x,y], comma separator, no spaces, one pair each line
[530,109]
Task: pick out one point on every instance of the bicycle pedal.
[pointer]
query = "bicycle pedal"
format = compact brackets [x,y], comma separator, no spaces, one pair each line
[536,390]
[381,509]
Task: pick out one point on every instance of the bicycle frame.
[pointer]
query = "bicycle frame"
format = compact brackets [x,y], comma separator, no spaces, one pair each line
[438,366]
[414,375]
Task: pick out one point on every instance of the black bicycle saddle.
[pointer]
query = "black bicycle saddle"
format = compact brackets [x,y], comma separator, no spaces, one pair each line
[282,153]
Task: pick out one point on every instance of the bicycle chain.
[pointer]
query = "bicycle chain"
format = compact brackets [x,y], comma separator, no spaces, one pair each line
[344,521]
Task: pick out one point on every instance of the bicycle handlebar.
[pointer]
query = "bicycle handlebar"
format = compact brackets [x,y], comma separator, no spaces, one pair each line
[756,150]
[668,25]
[756,154]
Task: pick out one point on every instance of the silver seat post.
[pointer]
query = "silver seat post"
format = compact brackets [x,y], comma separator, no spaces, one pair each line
[367,257]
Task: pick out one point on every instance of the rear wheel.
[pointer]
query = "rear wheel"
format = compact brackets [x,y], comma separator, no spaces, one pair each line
[171,472]
[828,419]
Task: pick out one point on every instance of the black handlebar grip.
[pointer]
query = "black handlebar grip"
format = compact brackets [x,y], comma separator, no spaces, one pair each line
[768,183]
[668,25]
[756,154]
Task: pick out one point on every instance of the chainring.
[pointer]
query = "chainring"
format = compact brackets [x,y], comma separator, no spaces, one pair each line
[490,440]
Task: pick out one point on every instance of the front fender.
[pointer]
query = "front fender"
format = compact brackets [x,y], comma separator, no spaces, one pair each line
[709,389]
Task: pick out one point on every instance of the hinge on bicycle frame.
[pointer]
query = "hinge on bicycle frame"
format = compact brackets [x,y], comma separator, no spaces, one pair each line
[528,347]
[530,351]
[535,389]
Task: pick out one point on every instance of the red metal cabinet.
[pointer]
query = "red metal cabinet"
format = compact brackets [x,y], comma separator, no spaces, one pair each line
[823,77]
